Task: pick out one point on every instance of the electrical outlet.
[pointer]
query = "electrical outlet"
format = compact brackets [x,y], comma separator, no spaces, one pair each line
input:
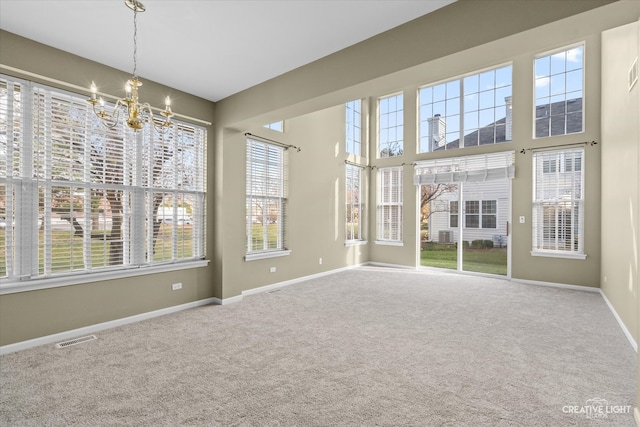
[176,286]
[522,220]
[272,270]
[320,261]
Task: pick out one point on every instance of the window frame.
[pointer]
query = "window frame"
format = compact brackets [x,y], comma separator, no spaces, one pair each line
[536,98]
[256,189]
[352,171]
[390,205]
[30,227]
[353,127]
[397,116]
[455,106]
[558,198]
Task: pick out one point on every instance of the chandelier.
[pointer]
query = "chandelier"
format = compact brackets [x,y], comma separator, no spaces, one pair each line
[137,113]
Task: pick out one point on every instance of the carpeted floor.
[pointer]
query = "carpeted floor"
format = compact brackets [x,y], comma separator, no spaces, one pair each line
[363,347]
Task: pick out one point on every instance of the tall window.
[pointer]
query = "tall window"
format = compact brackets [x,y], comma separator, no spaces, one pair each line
[354,206]
[466,112]
[391,126]
[353,131]
[76,197]
[390,204]
[559,94]
[558,202]
[266,198]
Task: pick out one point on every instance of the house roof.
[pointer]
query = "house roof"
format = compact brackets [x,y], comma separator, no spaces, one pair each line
[550,120]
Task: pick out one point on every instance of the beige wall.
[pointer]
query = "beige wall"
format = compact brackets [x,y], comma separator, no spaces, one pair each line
[262,102]
[621,176]
[34,314]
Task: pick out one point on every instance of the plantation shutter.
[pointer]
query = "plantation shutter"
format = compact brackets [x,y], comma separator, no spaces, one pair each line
[389,218]
[354,208]
[558,201]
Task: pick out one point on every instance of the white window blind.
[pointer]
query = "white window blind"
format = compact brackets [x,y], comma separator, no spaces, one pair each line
[353,205]
[478,168]
[266,202]
[389,219]
[79,198]
[558,202]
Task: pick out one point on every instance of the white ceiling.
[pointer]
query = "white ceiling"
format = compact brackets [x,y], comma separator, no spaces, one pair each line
[208,48]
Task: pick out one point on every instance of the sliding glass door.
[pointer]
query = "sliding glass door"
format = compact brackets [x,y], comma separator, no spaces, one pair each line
[465,210]
[484,225]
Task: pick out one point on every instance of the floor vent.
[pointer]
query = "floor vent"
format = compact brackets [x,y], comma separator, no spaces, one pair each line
[75,341]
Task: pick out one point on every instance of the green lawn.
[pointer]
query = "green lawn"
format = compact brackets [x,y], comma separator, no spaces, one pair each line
[491,261]
[67,253]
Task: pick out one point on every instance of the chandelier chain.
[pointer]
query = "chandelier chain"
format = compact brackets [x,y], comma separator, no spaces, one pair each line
[135,41]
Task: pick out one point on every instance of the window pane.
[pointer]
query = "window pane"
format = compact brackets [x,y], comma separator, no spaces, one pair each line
[390,126]
[559,77]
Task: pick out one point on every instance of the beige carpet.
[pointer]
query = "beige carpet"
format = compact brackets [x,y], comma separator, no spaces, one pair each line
[358,348]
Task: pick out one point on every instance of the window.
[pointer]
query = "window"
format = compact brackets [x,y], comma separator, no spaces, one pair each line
[353,134]
[477,214]
[466,112]
[266,199]
[390,204]
[453,214]
[472,214]
[277,126]
[558,203]
[559,102]
[77,197]
[489,213]
[390,126]
[354,206]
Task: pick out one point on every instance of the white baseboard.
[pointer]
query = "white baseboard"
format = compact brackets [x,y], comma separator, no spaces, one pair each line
[50,339]
[279,285]
[625,331]
[557,285]
[386,265]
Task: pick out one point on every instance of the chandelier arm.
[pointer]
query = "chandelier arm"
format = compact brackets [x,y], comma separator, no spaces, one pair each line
[109,120]
[162,127]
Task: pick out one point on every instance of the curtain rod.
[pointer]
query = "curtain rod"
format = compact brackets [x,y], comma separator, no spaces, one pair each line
[574,144]
[84,89]
[358,165]
[298,149]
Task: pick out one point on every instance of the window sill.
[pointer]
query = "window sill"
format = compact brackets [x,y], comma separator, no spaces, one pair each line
[78,279]
[355,243]
[388,243]
[558,254]
[265,255]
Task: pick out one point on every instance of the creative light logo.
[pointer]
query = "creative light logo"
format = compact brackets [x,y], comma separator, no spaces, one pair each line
[596,408]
